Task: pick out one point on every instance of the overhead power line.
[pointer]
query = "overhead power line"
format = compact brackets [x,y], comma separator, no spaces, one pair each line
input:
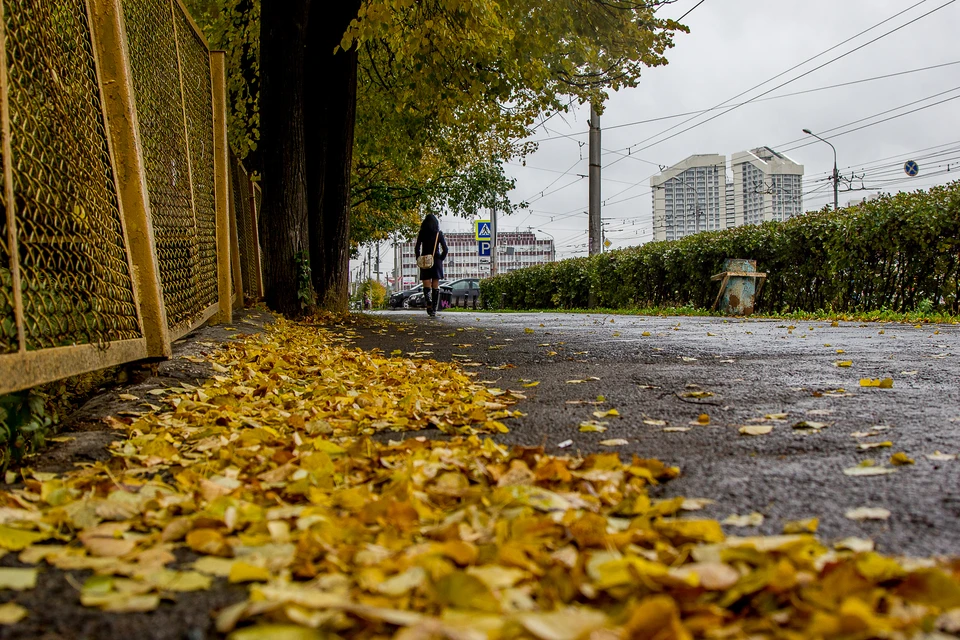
[909,154]
[690,11]
[806,73]
[899,115]
[768,98]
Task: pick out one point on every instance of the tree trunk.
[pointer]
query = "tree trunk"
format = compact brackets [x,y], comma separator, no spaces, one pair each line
[331,101]
[283,221]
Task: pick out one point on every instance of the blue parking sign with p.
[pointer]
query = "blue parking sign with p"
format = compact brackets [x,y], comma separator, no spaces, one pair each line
[483,248]
[481,229]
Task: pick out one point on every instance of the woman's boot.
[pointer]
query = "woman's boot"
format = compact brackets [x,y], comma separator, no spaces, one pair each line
[436,300]
[428,299]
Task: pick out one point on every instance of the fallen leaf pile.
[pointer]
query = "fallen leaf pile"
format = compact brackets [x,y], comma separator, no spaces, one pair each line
[271,475]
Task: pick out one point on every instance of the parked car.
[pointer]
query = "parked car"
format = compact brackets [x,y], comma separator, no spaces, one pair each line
[460,293]
[416,301]
[401,299]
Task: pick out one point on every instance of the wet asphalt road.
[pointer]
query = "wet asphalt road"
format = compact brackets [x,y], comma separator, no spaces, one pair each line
[654,369]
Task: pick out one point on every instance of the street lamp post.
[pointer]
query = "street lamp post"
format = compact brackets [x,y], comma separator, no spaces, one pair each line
[836,174]
[553,254]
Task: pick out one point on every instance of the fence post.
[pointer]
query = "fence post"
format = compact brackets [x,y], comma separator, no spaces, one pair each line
[123,129]
[255,215]
[236,269]
[7,151]
[221,163]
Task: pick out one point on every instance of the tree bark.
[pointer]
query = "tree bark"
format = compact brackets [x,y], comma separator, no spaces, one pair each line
[331,102]
[283,222]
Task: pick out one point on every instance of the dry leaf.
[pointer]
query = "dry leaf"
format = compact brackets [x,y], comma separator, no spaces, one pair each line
[808,525]
[756,430]
[882,383]
[616,442]
[17,579]
[810,424]
[695,504]
[900,459]
[875,445]
[753,520]
[11,613]
[867,513]
[868,471]
[592,426]
[857,545]
[606,414]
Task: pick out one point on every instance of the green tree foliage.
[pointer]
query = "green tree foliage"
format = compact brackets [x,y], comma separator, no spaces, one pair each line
[234,27]
[449,87]
[446,89]
[372,289]
[899,253]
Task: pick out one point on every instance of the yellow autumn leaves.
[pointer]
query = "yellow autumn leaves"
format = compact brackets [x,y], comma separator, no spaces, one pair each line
[280,474]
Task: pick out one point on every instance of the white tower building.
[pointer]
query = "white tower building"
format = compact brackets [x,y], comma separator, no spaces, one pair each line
[690,197]
[766,186]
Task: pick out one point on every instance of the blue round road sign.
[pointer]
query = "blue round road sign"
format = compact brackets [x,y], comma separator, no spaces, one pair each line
[911,168]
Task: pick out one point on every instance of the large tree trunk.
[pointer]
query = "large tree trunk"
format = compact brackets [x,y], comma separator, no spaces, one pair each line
[283,221]
[331,101]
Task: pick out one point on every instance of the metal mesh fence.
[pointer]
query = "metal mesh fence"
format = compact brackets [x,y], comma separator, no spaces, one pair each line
[198,103]
[160,108]
[246,228]
[75,277]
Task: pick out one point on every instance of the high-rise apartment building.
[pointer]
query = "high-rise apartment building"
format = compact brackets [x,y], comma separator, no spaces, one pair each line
[697,195]
[690,197]
[515,250]
[767,185]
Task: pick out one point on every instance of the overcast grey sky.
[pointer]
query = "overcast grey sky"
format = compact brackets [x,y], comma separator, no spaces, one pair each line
[734,45]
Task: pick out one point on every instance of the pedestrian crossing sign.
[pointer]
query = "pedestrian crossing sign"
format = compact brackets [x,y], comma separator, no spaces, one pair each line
[481,229]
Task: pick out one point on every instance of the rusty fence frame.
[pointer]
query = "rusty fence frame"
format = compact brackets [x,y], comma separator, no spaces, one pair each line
[26,368]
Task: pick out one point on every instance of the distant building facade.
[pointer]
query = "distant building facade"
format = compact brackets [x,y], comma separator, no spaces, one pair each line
[697,195]
[767,185]
[517,249]
[690,197]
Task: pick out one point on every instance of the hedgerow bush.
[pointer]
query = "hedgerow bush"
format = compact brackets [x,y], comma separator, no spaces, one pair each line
[894,253]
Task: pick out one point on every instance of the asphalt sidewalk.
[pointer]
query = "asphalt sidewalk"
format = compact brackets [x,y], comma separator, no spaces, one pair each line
[661,374]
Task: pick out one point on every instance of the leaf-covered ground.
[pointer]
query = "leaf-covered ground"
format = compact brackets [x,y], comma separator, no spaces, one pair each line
[297,474]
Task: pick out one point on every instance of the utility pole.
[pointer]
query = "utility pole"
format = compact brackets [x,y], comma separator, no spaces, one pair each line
[594,229]
[493,242]
[397,284]
[378,262]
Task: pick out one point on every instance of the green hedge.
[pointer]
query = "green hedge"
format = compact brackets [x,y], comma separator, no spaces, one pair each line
[897,253]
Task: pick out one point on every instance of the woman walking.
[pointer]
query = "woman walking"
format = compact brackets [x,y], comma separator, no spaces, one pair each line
[430,251]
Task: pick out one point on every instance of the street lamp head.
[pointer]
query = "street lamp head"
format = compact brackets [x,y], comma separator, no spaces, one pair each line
[808,131]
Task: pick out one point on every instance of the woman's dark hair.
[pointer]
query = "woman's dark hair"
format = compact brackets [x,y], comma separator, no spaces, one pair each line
[430,224]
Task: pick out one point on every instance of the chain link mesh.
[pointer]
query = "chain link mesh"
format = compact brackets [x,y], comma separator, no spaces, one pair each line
[198,102]
[156,80]
[246,230]
[75,278]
